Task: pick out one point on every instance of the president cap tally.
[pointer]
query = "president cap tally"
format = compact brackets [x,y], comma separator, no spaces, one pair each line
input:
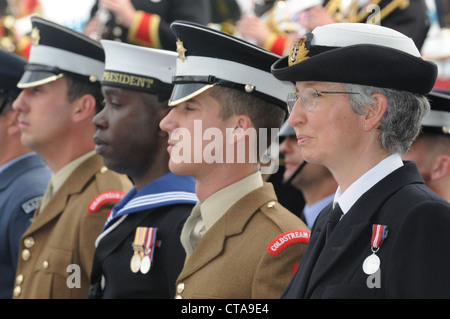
[358,53]
[138,68]
[207,57]
[56,51]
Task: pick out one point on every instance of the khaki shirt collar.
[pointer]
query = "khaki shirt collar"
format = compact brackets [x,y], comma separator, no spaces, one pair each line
[220,202]
[63,174]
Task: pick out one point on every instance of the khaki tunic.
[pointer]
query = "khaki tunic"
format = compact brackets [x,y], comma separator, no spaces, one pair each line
[232,259]
[56,252]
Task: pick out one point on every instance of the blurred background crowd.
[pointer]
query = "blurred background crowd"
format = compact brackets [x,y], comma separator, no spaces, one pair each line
[268,23]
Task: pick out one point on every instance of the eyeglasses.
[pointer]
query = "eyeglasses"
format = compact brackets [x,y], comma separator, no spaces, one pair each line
[309,97]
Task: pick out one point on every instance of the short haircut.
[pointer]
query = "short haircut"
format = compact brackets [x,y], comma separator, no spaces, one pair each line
[78,87]
[401,123]
[262,113]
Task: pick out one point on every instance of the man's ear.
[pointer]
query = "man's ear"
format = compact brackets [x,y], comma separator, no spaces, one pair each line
[376,112]
[84,108]
[241,124]
[441,167]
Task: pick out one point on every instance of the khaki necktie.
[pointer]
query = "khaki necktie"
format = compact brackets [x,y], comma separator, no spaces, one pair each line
[193,230]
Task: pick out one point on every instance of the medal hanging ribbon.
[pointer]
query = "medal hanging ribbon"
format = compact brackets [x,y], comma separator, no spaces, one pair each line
[379,233]
[150,244]
[372,263]
[138,247]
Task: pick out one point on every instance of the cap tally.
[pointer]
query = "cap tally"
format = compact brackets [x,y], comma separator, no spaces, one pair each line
[138,68]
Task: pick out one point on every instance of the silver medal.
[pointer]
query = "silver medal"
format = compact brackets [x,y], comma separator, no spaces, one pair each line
[145,264]
[371,264]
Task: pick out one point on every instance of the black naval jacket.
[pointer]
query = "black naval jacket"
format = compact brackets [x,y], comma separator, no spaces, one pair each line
[414,256]
[413,21]
[114,252]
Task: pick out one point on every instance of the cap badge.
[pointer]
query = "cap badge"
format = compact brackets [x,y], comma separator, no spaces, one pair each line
[298,52]
[35,36]
[181,50]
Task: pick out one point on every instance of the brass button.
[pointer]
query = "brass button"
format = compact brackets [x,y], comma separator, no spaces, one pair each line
[446,129]
[249,88]
[28,242]
[45,264]
[180,287]
[26,254]
[104,169]
[271,204]
[178,297]
[17,291]
[19,279]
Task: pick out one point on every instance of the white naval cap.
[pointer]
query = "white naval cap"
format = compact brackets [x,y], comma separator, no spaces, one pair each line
[358,53]
[57,50]
[138,68]
[208,57]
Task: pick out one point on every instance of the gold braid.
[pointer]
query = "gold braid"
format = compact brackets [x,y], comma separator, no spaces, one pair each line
[334,7]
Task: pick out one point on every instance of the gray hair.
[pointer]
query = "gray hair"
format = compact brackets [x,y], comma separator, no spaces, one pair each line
[401,123]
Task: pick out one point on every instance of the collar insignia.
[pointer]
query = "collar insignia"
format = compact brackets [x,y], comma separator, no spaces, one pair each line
[298,52]
[181,50]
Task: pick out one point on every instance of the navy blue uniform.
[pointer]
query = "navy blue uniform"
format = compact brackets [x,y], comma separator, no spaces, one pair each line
[414,256]
[164,204]
[21,188]
[412,20]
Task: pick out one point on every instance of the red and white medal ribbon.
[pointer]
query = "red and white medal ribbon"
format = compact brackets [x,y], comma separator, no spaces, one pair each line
[372,263]
[379,233]
[149,245]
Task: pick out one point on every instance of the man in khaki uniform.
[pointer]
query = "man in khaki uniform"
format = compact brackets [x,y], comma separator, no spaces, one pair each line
[240,242]
[61,94]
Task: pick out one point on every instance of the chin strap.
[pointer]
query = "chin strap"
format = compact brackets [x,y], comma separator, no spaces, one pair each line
[295,173]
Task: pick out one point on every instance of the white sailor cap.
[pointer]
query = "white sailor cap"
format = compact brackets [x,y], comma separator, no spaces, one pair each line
[208,57]
[358,53]
[138,68]
[56,51]
[438,120]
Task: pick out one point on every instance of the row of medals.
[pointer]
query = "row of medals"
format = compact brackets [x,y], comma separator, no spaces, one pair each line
[139,263]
